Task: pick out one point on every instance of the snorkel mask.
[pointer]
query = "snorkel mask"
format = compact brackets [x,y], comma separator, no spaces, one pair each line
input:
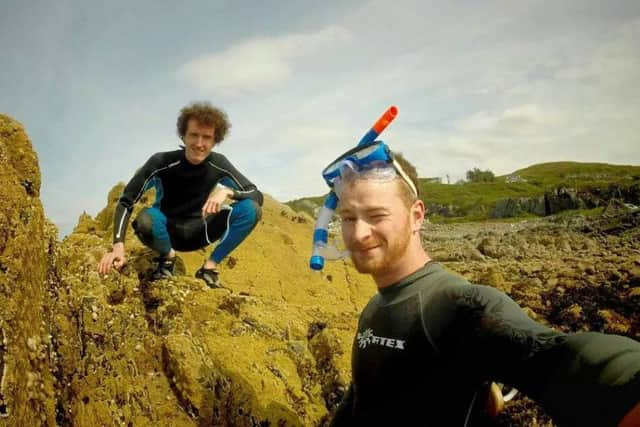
[370,159]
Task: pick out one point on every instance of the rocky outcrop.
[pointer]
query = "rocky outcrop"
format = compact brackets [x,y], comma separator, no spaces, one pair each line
[27,395]
[509,208]
[562,199]
[272,348]
[447,211]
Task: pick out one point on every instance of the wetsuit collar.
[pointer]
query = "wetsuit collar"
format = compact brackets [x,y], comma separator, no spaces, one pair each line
[190,165]
[428,268]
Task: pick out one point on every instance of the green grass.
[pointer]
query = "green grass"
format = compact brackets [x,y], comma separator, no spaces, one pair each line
[575,174]
[302,204]
[588,213]
[473,194]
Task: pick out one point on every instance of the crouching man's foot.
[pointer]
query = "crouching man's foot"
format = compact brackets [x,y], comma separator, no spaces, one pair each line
[210,277]
[165,268]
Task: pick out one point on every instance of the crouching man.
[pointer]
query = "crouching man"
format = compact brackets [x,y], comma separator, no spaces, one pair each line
[189,212]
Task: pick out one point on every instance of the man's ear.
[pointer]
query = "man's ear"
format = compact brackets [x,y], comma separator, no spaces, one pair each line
[418,212]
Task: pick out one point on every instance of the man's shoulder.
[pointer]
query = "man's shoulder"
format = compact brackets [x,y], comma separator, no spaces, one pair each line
[437,278]
[217,159]
[432,281]
[163,159]
[456,291]
[445,288]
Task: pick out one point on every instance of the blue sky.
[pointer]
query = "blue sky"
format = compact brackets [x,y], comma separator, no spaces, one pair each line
[494,84]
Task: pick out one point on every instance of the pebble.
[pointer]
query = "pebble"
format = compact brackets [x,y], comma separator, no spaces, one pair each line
[32,344]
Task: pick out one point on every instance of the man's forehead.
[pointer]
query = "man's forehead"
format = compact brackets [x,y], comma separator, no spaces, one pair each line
[194,123]
[356,207]
[359,187]
[367,194]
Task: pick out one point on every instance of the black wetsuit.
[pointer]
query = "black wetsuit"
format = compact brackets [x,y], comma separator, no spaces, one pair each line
[426,345]
[181,187]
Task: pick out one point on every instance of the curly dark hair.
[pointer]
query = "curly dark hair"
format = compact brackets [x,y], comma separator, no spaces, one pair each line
[205,114]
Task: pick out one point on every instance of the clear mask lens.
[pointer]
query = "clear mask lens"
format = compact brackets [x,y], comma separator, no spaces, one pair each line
[382,172]
[357,159]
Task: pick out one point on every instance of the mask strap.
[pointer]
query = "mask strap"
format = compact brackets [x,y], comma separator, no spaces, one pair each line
[406,178]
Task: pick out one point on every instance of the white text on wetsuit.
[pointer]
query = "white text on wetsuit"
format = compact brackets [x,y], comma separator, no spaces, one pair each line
[365,338]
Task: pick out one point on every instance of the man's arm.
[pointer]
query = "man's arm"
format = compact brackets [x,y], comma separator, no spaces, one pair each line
[592,376]
[116,259]
[242,188]
[131,194]
[343,415]
[216,199]
[580,379]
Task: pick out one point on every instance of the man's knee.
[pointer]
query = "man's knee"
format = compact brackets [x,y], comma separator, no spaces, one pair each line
[143,224]
[248,211]
[258,210]
[150,225]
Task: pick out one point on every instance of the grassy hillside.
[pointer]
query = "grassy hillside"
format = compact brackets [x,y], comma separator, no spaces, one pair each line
[474,201]
[476,193]
[575,174]
[306,204]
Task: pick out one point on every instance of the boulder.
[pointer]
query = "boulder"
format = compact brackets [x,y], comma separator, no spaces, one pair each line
[27,359]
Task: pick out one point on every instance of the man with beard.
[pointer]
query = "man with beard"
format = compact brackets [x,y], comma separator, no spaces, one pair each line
[428,342]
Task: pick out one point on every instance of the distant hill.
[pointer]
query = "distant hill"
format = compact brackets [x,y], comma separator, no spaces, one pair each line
[541,189]
[576,173]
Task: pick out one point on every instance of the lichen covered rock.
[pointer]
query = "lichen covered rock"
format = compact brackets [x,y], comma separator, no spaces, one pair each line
[26,387]
[175,352]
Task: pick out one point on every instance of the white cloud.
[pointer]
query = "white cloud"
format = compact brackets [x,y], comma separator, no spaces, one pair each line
[257,64]
[539,104]
[581,106]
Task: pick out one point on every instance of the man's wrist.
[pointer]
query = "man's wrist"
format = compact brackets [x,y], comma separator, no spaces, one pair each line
[227,191]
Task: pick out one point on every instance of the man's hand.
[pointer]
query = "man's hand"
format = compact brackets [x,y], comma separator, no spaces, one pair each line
[215,201]
[116,259]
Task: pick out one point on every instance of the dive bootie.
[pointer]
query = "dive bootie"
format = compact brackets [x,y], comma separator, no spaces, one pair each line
[165,268]
[209,276]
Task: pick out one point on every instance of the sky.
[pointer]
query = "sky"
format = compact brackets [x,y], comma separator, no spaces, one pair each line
[497,85]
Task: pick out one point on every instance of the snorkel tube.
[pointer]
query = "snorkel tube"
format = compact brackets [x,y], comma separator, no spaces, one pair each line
[380,125]
[320,231]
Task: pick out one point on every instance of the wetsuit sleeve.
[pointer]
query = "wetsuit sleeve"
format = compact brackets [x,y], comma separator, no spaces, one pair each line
[243,188]
[131,194]
[343,415]
[580,379]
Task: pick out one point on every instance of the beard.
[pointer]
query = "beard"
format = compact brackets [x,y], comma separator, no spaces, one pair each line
[385,256]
